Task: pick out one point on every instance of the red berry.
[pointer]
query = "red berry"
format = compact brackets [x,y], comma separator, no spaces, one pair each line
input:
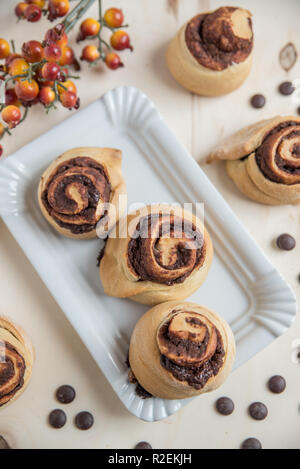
[90,54]
[11,115]
[52,53]
[4,48]
[50,71]
[32,51]
[1,150]
[114,17]
[47,95]
[27,90]
[57,35]
[11,97]
[68,99]
[120,40]
[113,61]
[32,13]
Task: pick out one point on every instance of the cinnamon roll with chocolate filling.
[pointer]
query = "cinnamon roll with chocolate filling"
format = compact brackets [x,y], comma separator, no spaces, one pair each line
[211,55]
[159,253]
[179,350]
[79,193]
[16,360]
[263,160]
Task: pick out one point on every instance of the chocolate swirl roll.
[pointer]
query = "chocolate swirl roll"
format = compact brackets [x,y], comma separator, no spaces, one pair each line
[79,192]
[186,349]
[263,160]
[211,55]
[165,254]
[16,359]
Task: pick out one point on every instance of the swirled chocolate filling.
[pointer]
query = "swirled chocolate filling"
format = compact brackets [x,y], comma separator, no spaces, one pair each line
[211,39]
[262,154]
[7,372]
[186,253]
[195,376]
[62,203]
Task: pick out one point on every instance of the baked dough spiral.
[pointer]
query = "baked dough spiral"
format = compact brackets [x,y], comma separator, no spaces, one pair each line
[16,360]
[179,350]
[263,160]
[211,55]
[164,254]
[79,193]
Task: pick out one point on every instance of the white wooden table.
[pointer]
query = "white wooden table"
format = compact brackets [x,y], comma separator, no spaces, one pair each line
[198,122]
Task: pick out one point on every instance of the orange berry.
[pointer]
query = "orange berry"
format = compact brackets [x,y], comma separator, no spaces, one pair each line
[11,115]
[68,99]
[27,90]
[58,8]
[113,61]
[114,17]
[89,27]
[57,35]
[47,95]
[67,56]
[39,3]
[120,40]
[2,128]
[18,67]
[90,54]
[69,85]
[20,8]
[4,48]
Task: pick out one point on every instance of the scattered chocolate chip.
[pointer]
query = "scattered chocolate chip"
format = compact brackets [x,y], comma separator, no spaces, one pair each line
[288,56]
[131,378]
[277,384]
[57,418]
[286,242]
[286,88]
[258,101]
[258,411]
[84,420]
[101,252]
[143,445]
[65,394]
[3,443]
[251,443]
[225,406]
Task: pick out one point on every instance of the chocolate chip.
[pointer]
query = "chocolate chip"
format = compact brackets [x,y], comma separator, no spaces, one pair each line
[84,420]
[258,101]
[3,443]
[143,445]
[65,394]
[286,88]
[258,411]
[286,242]
[251,443]
[225,406]
[277,384]
[57,418]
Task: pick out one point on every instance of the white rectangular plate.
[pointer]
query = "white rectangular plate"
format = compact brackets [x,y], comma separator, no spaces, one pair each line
[242,285]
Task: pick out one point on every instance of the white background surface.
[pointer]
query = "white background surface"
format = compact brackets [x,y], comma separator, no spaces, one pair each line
[199,123]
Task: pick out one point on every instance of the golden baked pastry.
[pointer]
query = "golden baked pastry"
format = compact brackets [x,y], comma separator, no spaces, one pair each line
[263,160]
[179,350]
[164,254]
[79,193]
[211,55]
[16,360]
